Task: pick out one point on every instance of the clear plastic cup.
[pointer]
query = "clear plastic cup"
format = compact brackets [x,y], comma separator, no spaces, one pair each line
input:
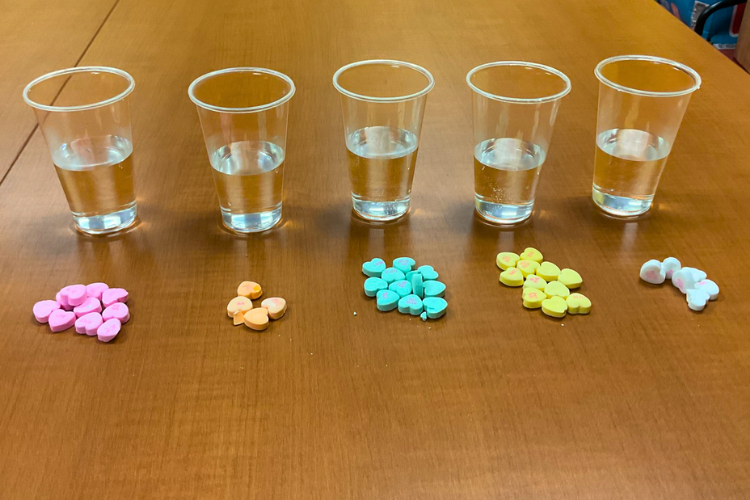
[642,100]
[515,104]
[243,114]
[84,116]
[383,105]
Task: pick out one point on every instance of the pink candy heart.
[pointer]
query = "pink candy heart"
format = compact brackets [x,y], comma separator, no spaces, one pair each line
[44,308]
[113,295]
[61,320]
[75,294]
[89,323]
[62,299]
[108,330]
[96,289]
[90,305]
[118,311]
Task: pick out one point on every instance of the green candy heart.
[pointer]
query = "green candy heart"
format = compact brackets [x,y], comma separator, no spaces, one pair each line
[434,289]
[411,304]
[374,285]
[404,264]
[434,307]
[374,268]
[387,300]
[392,274]
[428,273]
[416,285]
[401,287]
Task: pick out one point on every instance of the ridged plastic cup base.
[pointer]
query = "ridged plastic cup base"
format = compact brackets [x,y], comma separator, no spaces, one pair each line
[381,211]
[251,223]
[620,206]
[108,223]
[499,213]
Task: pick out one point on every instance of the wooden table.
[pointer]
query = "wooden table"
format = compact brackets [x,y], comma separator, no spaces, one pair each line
[641,399]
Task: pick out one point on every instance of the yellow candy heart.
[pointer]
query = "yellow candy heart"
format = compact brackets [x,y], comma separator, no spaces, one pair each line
[532,298]
[570,278]
[532,254]
[548,271]
[578,304]
[557,289]
[511,277]
[505,260]
[534,281]
[527,267]
[555,307]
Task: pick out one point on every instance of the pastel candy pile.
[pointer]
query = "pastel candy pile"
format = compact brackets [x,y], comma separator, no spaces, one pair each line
[694,283]
[405,287]
[94,310]
[544,285]
[242,311]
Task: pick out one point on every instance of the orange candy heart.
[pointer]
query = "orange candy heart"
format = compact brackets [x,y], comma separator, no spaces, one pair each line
[238,304]
[257,319]
[276,307]
[249,289]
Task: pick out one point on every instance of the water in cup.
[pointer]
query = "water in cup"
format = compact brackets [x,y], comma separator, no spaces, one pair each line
[381,168]
[506,172]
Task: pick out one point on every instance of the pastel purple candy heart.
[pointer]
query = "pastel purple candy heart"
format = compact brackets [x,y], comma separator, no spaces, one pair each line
[90,305]
[118,311]
[96,289]
[44,308]
[62,299]
[108,330]
[113,295]
[61,320]
[75,294]
[89,323]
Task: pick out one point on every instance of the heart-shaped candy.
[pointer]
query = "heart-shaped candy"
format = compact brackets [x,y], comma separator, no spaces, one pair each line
[683,280]
[534,281]
[697,299]
[417,285]
[556,289]
[411,304]
[651,272]
[428,273]
[533,298]
[548,271]
[257,319]
[570,278]
[249,289]
[423,316]
[404,264]
[392,274]
[410,274]
[75,294]
[578,304]
[504,260]
[89,323]
[387,300]
[434,289]
[434,307]
[113,295]
[60,320]
[90,305]
[708,286]
[374,285]
[108,330]
[238,304]
[374,268]
[401,287]
[697,274]
[44,308]
[276,307]
[62,299]
[532,254]
[96,289]
[118,311]
[555,307]
[527,267]
[238,318]
[669,266]
[511,277]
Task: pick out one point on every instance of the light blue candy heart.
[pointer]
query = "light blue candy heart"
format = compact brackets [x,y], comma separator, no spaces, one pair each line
[374,268]
[434,289]
[401,287]
[410,274]
[423,316]
[434,307]
[416,285]
[404,264]
[411,304]
[428,273]
[392,274]
[374,285]
[387,300]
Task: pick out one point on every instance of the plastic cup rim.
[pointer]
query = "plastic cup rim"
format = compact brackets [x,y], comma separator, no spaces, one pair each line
[520,100]
[622,88]
[361,97]
[247,109]
[79,69]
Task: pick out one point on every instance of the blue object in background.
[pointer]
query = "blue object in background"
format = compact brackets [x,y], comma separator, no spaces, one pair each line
[722,27]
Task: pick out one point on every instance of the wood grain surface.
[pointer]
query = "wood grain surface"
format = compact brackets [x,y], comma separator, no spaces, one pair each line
[642,399]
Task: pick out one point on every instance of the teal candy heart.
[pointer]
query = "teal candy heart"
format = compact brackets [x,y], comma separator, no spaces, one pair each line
[404,264]
[401,287]
[416,285]
[428,273]
[410,274]
[434,289]
[411,304]
[434,307]
[374,268]
[423,316]
[392,274]
[387,300]
[374,285]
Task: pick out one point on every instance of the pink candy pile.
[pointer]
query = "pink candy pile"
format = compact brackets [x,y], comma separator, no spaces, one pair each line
[81,306]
